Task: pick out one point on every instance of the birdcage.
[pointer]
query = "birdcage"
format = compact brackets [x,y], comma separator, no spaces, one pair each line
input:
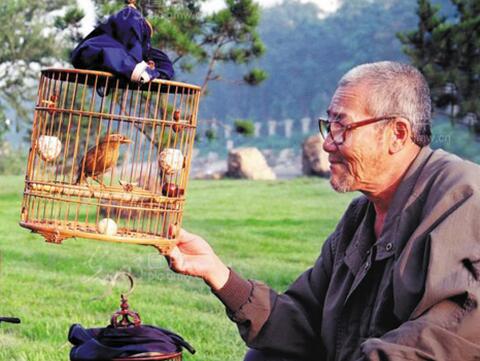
[109,159]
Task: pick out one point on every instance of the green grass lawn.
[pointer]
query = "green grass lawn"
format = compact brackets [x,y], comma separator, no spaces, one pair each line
[269,231]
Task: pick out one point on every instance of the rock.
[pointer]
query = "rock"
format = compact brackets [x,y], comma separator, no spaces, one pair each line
[210,174]
[204,168]
[270,156]
[289,170]
[248,163]
[285,156]
[314,158]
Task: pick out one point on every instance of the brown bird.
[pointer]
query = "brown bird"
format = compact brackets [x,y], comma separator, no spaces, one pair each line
[101,158]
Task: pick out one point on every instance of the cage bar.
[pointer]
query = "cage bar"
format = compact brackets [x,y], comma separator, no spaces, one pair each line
[109,159]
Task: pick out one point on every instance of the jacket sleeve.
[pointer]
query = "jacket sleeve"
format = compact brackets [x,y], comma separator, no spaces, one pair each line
[444,323]
[117,45]
[287,322]
[163,64]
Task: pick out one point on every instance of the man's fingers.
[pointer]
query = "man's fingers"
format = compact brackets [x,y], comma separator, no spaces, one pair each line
[184,236]
[175,260]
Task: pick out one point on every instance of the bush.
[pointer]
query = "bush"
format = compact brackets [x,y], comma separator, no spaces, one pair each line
[244,127]
[12,161]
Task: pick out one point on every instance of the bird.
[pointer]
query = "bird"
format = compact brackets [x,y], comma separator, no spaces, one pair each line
[100,158]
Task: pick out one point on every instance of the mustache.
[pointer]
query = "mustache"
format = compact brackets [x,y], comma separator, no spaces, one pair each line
[333,159]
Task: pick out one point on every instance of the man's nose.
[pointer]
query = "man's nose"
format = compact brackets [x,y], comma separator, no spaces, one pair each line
[329,145]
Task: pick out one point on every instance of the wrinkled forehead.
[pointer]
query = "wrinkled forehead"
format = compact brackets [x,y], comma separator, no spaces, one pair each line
[348,102]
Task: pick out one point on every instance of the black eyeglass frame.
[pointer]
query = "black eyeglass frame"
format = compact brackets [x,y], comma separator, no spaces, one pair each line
[326,124]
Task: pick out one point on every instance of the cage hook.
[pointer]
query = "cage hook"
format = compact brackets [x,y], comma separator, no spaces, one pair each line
[113,281]
[130,279]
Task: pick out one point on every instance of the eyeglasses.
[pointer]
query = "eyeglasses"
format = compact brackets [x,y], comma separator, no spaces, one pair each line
[337,130]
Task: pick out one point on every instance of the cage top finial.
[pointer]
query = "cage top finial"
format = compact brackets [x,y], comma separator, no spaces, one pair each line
[125,314]
[132,3]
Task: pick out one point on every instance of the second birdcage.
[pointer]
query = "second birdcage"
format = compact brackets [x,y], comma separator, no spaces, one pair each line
[109,159]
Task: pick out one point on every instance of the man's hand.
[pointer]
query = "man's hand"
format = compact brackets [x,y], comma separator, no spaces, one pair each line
[193,256]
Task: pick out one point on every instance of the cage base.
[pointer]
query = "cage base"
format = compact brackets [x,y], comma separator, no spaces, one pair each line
[57,232]
[171,357]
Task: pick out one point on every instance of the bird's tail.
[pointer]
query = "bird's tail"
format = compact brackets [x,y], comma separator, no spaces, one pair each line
[79,177]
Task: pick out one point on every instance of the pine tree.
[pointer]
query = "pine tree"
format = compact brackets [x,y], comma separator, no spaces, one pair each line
[447,51]
[228,36]
[30,40]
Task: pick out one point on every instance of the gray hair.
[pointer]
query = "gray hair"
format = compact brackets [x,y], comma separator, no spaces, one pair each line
[395,89]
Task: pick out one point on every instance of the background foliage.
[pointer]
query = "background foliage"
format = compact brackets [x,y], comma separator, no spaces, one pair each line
[305,52]
[193,37]
[29,40]
[446,48]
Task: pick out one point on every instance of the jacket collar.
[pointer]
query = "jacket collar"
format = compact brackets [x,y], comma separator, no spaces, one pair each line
[363,245]
[404,192]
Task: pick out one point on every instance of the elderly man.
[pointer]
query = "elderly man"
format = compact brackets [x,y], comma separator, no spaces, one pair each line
[399,278]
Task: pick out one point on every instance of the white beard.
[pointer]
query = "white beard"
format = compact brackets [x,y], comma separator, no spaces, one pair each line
[342,183]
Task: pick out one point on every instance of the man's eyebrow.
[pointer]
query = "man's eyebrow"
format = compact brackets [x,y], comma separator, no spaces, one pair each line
[337,115]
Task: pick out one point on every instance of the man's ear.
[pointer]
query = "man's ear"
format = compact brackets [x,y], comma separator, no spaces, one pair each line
[401,133]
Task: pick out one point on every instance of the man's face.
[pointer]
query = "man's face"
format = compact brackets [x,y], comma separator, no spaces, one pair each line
[360,162]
